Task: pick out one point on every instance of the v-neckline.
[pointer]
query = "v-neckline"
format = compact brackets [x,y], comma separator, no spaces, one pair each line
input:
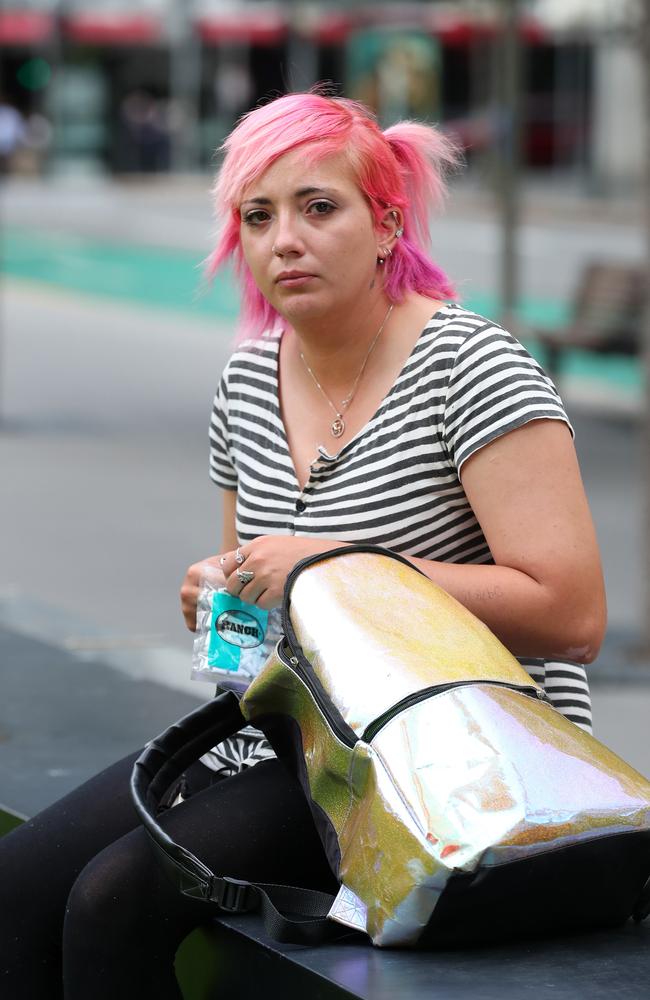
[321,449]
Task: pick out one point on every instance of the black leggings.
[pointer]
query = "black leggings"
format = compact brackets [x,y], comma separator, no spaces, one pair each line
[85,909]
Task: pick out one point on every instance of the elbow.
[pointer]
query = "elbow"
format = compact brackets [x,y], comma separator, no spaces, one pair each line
[582,637]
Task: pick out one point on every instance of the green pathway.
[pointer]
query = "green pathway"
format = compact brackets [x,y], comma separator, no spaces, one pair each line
[172,279]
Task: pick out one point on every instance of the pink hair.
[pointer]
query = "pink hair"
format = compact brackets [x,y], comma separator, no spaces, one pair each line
[401,168]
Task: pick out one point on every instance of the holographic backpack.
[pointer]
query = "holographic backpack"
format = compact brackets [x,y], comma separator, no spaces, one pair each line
[454,803]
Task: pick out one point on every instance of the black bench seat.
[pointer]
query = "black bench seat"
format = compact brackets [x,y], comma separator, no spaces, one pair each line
[603,965]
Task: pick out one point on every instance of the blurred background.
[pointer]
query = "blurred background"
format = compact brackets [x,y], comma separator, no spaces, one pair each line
[111,115]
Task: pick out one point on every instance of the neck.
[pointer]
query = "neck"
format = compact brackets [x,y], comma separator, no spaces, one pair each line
[337,345]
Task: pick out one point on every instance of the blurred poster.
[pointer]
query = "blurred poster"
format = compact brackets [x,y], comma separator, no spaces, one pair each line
[396,73]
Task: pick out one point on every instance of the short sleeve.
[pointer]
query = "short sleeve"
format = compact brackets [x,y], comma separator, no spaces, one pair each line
[494,387]
[222,469]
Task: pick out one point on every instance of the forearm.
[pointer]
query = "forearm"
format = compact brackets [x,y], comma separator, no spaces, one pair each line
[531,617]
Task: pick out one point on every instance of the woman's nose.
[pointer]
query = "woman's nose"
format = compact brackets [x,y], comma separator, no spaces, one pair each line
[287,239]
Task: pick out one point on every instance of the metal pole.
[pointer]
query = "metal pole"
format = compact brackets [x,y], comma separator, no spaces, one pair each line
[184,87]
[509,172]
[645,342]
[302,55]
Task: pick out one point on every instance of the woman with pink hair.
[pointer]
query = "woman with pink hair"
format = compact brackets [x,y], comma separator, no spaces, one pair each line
[360,405]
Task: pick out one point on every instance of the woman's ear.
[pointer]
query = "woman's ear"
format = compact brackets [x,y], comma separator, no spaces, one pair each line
[391,226]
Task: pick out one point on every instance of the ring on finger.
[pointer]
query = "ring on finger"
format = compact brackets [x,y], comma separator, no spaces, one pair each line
[245,576]
[239,557]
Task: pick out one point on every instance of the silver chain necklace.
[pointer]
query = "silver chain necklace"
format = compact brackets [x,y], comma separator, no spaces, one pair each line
[337,427]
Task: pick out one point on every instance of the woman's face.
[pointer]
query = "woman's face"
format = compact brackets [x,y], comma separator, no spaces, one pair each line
[308,237]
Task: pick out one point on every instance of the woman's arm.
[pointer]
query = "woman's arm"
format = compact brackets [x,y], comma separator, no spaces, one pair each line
[545,596]
[192,582]
[228,520]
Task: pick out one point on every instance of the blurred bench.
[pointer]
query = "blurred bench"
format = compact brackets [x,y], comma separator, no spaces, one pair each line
[606,315]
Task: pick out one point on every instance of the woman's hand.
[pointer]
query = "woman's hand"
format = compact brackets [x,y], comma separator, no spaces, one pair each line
[270,558]
[208,568]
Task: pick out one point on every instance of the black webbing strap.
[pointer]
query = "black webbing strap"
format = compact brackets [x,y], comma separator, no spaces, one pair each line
[291,915]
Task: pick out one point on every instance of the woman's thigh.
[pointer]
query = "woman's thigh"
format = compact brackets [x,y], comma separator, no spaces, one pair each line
[255,826]
[39,862]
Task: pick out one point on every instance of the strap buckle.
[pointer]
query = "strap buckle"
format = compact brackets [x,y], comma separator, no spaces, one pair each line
[233,895]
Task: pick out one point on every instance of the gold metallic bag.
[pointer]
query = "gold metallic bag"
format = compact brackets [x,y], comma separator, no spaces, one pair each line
[454,803]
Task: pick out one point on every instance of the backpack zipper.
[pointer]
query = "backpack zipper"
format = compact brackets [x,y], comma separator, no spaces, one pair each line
[347,735]
[410,700]
[336,723]
[290,654]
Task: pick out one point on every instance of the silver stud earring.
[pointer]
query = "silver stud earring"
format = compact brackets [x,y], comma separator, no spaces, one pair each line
[399,232]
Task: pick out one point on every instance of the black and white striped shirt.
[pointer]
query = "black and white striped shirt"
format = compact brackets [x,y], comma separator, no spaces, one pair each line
[397,483]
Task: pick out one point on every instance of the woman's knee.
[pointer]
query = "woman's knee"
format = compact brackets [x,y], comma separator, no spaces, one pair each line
[114,885]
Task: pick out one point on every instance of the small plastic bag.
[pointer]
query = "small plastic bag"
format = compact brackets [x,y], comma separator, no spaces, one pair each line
[232,637]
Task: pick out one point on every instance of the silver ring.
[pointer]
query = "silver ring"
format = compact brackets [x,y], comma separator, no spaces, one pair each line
[245,576]
[239,557]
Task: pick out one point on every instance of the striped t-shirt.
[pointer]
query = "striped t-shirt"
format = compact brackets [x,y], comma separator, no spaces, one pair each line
[397,482]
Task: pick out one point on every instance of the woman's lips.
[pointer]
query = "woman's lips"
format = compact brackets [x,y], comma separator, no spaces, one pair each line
[294,280]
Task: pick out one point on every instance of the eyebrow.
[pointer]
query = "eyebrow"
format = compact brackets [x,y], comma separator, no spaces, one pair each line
[300,193]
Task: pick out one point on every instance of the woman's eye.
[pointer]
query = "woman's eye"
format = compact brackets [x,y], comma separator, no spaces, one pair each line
[255,217]
[320,207]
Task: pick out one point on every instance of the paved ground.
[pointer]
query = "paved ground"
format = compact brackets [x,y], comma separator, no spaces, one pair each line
[106,498]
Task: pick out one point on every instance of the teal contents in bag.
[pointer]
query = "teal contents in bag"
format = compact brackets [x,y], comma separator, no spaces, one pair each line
[232,638]
[236,626]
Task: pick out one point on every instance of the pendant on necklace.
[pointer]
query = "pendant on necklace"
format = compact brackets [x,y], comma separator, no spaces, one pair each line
[337,426]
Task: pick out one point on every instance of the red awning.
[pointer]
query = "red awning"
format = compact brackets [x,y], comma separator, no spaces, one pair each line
[18,27]
[332,27]
[258,28]
[112,28]
[456,30]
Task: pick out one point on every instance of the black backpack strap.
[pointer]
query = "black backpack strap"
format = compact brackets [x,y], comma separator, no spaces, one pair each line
[290,914]
[162,762]
[642,906]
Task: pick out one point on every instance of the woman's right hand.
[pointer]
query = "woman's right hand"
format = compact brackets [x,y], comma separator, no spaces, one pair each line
[191,586]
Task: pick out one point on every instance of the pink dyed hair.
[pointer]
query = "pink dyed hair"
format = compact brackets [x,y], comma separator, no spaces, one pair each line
[403,167]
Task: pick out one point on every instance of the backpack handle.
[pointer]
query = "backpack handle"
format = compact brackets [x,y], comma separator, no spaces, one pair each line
[161,763]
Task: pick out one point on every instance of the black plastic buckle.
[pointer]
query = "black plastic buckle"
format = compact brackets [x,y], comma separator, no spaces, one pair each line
[232,895]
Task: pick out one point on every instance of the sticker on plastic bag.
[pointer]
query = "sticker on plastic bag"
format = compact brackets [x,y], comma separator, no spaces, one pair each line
[231,636]
[236,626]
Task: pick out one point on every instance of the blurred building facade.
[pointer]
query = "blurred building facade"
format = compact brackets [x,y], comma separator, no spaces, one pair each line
[153,85]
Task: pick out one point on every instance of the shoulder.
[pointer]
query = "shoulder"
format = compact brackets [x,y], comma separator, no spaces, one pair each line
[456,324]
[252,358]
[459,338]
